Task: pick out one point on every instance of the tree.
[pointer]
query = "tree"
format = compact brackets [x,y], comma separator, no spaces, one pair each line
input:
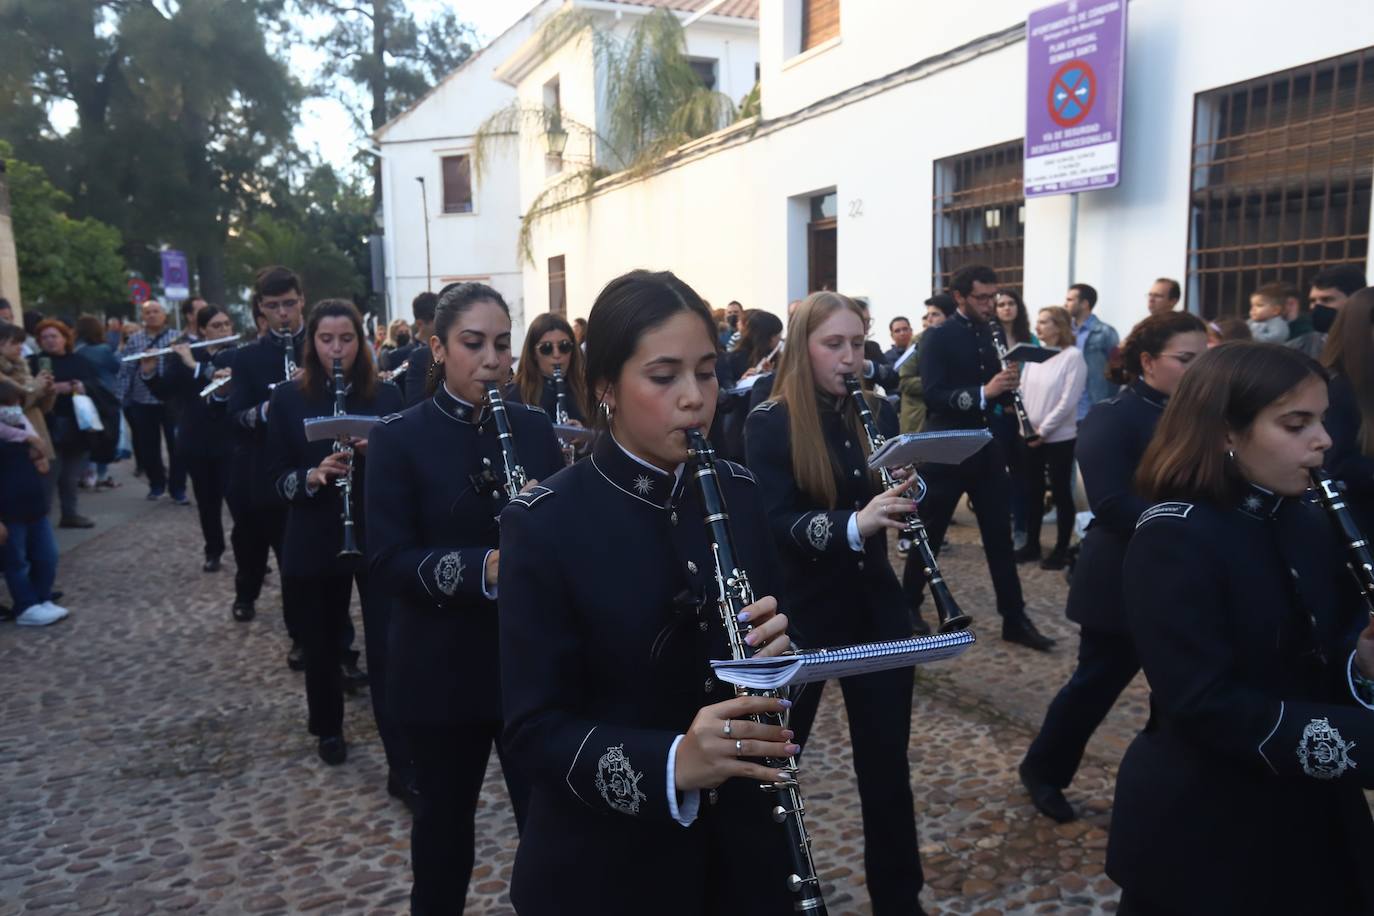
[66,265]
[325,271]
[378,46]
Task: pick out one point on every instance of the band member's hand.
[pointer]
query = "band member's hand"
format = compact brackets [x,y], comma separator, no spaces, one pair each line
[297,372]
[572,422]
[1034,443]
[328,470]
[749,373]
[493,568]
[1006,380]
[706,757]
[888,509]
[769,633]
[525,489]
[184,351]
[1364,650]
[359,446]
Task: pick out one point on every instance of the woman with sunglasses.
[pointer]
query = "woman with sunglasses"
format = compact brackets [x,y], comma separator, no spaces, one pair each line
[637,755]
[549,346]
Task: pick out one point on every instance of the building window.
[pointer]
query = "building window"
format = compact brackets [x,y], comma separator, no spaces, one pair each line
[457,184]
[705,69]
[558,286]
[980,214]
[553,108]
[1280,183]
[822,244]
[820,22]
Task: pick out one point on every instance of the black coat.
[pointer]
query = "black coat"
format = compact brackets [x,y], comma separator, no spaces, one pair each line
[957,359]
[202,428]
[61,420]
[314,529]
[605,639]
[834,595]
[257,367]
[1243,793]
[1111,441]
[433,495]
[1346,460]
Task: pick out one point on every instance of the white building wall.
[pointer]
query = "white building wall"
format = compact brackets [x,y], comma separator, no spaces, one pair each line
[728,223]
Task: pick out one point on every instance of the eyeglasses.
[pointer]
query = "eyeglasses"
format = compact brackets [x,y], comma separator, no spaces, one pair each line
[980,297]
[564,347]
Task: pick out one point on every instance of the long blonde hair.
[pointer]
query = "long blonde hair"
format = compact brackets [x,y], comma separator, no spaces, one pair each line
[813,466]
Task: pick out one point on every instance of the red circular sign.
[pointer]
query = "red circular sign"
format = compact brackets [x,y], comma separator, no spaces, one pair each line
[139,291]
[1072,93]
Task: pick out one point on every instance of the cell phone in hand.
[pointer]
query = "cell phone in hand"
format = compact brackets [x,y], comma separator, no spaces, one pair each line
[45,364]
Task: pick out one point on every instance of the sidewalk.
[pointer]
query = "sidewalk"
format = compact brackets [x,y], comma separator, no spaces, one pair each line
[109,508]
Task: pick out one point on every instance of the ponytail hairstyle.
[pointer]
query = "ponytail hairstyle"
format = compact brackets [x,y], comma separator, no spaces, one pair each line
[629,307]
[363,376]
[527,378]
[454,302]
[1349,353]
[757,329]
[794,385]
[1223,391]
[1151,336]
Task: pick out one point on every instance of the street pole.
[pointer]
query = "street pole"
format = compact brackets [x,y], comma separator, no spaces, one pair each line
[424,205]
[1073,236]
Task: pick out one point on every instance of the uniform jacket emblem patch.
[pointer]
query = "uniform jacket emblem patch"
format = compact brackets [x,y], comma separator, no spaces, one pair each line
[1323,753]
[1165,510]
[965,400]
[818,530]
[643,484]
[289,485]
[448,573]
[618,782]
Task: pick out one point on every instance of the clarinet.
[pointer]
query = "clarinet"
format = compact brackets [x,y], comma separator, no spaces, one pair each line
[952,619]
[1359,558]
[515,474]
[345,483]
[560,413]
[999,340]
[734,594]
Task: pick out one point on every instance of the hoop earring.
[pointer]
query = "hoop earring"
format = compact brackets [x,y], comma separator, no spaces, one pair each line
[1231,454]
[607,411]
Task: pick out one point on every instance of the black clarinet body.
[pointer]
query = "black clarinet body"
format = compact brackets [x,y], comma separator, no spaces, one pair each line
[952,619]
[515,474]
[734,595]
[1359,558]
[560,413]
[349,550]
[999,340]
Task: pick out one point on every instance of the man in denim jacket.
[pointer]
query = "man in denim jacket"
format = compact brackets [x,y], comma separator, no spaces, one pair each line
[1095,340]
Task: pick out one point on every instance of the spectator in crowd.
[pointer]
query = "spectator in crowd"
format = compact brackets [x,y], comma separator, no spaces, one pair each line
[189,310]
[1330,287]
[397,337]
[1163,296]
[151,421]
[1297,314]
[31,319]
[734,316]
[913,412]
[580,332]
[876,369]
[39,393]
[1095,339]
[1224,329]
[903,344]
[114,331]
[92,346]
[1266,314]
[1013,318]
[1051,392]
[1349,357]
[6,311]
[760,332]
[422,307]
[1014,321]
[28,552]
[71,375]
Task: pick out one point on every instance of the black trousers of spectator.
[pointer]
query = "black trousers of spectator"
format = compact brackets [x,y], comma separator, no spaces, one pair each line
[210,481]
[149,424]
[1057,458]
[66,473]
[984,478]
[1106,664]
[879,710]
[450,764]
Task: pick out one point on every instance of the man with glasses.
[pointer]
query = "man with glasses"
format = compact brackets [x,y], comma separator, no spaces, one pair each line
[150,420]
[962,380]
[1095,339]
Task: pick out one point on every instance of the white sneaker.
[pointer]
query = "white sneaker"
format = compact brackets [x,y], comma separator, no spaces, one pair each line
[40,615]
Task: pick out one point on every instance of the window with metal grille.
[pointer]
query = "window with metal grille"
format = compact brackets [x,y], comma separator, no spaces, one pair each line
[558,286]
[980,214]
[457,184]
[820,22]
[1280,184]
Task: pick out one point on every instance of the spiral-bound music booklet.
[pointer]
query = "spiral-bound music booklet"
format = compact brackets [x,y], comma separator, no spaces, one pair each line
[948,446]
[355,426]
[1029,353]
[811,665]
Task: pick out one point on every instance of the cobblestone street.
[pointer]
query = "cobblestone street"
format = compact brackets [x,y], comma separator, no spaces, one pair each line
[155,759]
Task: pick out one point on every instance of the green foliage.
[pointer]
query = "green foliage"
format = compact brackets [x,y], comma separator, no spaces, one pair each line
[325,271]
[66,265]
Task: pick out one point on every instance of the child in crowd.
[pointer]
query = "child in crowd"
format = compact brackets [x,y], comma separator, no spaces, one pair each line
[1266,314]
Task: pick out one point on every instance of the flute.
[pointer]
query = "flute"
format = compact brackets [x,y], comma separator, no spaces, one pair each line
[1359,558]
[216,385]
[163,351]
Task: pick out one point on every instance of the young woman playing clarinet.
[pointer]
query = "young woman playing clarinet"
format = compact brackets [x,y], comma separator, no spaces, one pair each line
[305,476]
[436,483]
[808,448]
[549,350]
[1243,792]
[640,760]
[1111,440]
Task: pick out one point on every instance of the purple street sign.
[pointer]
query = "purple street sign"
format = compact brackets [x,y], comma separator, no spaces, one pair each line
[1075,77]
[176,280]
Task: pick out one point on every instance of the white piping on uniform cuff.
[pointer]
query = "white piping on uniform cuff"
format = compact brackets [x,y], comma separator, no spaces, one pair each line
[686,811]
[856,543]
[489,594]
[1260,749]
[1350,679]
[982,399]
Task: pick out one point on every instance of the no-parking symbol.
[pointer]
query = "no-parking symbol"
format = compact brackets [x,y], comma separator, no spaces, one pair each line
[1072,93]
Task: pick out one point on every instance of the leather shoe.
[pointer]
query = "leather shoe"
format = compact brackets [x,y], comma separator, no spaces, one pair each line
[75,521]
[295,659]
[211,565]
[244,611]
[1023,633]
[333,750]
[401,785]
[354,678]
[1028,554]
[1048,799]
[1053,561]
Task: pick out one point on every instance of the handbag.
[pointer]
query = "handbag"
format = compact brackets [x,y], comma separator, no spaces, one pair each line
[87,417]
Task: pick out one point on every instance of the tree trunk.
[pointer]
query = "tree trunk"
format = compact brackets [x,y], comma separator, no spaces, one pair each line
[210,275]
[381,23]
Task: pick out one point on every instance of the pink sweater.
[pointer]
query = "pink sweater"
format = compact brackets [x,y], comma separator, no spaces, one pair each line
[1051,391]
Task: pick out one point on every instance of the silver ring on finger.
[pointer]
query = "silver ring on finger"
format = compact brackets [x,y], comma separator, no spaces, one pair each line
[739,748]
[727,728]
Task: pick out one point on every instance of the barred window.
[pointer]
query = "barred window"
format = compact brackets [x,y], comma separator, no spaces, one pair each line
[558,286]
[1280,184]
[980,214]
[457,173]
